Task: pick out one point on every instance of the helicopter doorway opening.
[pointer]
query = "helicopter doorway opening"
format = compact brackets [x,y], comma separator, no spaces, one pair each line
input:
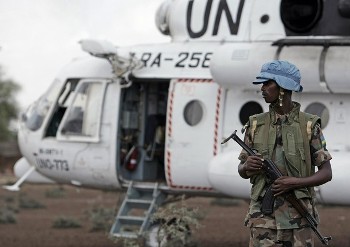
[141,136]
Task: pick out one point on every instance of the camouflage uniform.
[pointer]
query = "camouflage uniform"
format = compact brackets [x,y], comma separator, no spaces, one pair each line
[284,227]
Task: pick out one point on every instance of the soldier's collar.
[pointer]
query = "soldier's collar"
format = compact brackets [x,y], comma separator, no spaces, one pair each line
[289,117]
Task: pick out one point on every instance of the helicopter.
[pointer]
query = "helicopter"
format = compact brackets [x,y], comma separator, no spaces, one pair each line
[150,118]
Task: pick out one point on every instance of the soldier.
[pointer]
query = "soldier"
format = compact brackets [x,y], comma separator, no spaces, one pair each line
[294,141]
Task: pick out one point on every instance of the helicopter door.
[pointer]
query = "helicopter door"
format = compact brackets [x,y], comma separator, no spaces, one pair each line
[87,127]
[142,130]
[80,140]
[193,132]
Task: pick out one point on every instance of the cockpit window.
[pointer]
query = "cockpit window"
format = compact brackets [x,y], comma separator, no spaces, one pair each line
[66,95]
[83,115]
[36,112]
[64,99]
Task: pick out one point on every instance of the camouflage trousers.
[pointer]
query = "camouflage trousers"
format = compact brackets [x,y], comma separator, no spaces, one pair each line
[264,237]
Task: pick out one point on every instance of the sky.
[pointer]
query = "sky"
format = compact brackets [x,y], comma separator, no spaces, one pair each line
[39,37]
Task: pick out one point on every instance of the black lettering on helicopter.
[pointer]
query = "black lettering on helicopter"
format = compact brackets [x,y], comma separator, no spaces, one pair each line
[55,164]
[145,58]
[150,61]
[193,60]
[156,61]
[50,151]
[222,8]
[183,59]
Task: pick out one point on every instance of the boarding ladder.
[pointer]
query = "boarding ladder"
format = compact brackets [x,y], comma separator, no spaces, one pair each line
[135,214]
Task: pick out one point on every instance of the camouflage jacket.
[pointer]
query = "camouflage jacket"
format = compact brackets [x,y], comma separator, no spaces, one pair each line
[284,215]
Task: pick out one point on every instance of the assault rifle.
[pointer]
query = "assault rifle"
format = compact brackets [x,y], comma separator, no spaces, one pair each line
[272,173]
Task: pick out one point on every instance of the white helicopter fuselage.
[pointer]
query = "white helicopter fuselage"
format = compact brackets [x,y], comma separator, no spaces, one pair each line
[164,122]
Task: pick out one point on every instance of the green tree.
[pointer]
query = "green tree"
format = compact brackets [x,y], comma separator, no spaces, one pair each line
[8,106]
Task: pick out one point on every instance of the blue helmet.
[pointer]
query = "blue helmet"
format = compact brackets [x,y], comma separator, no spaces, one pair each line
[285,74]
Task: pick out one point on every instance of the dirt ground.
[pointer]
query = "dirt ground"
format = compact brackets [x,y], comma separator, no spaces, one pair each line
[222,222]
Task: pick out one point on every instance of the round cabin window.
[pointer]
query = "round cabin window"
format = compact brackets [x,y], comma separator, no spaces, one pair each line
[320,110]
[248,109]
[193,112]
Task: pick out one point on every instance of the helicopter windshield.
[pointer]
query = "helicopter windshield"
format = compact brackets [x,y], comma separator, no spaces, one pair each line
[37,111]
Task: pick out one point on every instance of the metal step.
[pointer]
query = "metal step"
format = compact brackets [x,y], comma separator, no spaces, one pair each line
[134,215]
[140,204]
[131,220]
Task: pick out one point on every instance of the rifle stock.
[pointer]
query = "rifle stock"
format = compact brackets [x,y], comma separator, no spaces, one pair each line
[272,172]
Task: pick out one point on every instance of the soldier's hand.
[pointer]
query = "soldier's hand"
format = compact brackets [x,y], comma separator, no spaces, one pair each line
[253,165]
[284,184]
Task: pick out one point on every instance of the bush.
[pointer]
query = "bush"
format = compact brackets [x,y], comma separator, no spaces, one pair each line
[56,192]
[7,216]
[65,222]
[129,242]
[175,222]
[101,218]
[29,203]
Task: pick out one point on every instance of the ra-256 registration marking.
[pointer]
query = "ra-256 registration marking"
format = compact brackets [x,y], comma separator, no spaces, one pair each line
[52,164]
[180,60]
